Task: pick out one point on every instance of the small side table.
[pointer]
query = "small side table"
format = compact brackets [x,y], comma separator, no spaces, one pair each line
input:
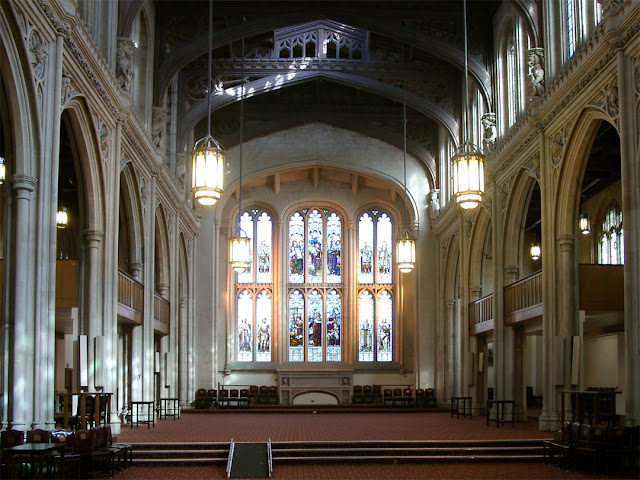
[500,407]
[169,405]
[455,407]
[151,418]
[38,453]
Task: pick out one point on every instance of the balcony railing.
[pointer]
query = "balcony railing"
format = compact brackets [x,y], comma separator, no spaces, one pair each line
[481,314]
[523,299]
[130,298]
[161,314]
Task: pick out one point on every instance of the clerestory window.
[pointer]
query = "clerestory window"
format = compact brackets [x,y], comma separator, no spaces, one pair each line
[611,244]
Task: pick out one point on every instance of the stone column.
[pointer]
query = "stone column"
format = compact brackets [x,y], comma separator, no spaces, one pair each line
[20,334]
[93,294]
[183,353]
[450,351]
[630,179]
[476,388]
[497,219]
[568,306]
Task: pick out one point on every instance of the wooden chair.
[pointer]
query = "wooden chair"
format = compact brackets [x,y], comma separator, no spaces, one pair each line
[89,443]
[550,447]
[38,435]
[356,396]
[254,393]
[367,394]
[397,397]
[9,438]
[387,397]
[223,399]
[377,394]
[243,399]
[420,400]
[122,452]
[430,399]
[263,395]
[202,399]
[273,395]
[71,463]
[621,451]
[212,398]
[407,398]
[592,443]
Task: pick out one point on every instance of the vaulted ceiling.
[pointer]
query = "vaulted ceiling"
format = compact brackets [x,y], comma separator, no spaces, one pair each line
[390,51]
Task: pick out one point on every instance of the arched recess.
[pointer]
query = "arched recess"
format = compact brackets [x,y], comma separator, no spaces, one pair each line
[183,269]
[131,231]
[478,253]
[514,224]
[448,345]
[142,34]
[162,272]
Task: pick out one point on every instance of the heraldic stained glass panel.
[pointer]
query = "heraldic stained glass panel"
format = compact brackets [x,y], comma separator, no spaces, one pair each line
[334,308]
[384,327]
[365,246]
[246,224]
[315,247]
[384,246]
[296,248]
[296,327]
[365,327]
[245,324]
[263,327]
[334,248]
[263,248]
[314,327]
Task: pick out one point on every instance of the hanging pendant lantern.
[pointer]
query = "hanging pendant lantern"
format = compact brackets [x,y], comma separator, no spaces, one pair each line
[62,218]
[535,251]
[585,223]
[239,252]
[468,176]
[406,252]
[208,171]
[207,165]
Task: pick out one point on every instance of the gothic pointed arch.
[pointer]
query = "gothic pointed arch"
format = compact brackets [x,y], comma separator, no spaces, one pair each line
[131,232]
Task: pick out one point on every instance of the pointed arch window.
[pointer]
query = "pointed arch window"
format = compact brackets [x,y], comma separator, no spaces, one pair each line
[611,241]
[375,278]
[254,290]
[315,285]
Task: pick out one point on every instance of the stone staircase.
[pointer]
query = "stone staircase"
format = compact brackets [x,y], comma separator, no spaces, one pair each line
[384,451]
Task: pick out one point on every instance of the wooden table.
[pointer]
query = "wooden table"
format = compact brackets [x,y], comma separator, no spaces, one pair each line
[455,406]
[167,404]
[37,452]
[500,404]
[151,418]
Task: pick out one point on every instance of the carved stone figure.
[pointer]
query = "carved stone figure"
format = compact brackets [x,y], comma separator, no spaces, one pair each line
[124,63]
[489,131]
[158,127]
[536,71]
[434,204]
[39,55]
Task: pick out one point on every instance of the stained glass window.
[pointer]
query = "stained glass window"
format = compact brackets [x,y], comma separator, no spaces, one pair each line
[263,248]
[296,248]
[334,309]
[315,247]
[571,29]
[611,248]
[384,248]
[365,327]
[384,316]
[314,327]
[263,327]
[245,327]
[375,276]
[334,248]
[365,244]
[246,224]
[296,326]
[254,303]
